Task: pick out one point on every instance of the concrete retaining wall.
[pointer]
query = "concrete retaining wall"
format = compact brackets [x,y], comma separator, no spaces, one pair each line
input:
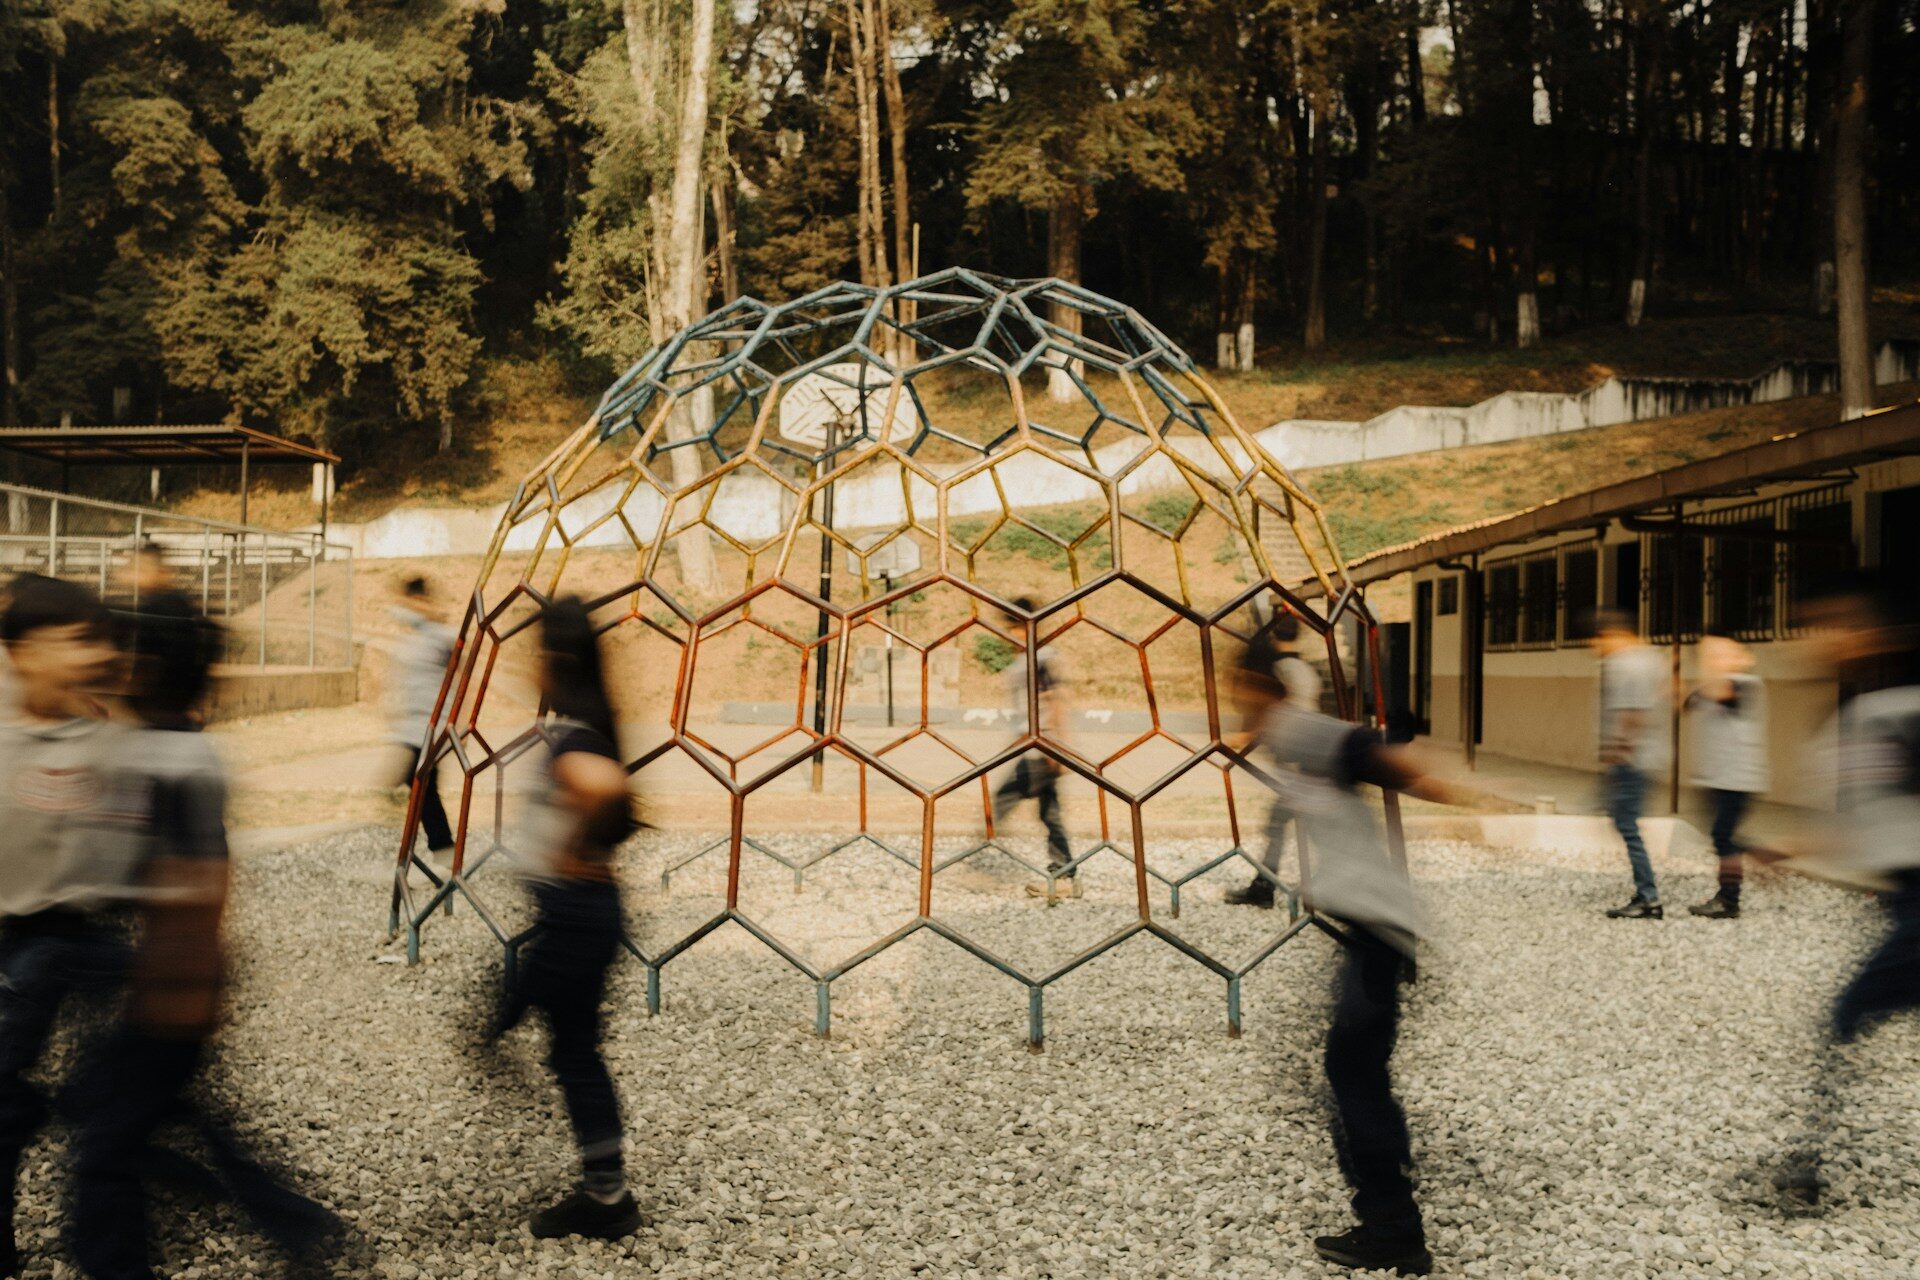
[755,508]
[240,692]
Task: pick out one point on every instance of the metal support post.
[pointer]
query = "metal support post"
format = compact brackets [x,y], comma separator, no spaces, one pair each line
[263,603]
[313,606]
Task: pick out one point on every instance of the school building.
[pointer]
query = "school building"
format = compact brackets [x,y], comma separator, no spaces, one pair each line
[1493,659]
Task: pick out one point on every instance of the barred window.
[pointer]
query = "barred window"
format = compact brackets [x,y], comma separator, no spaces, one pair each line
[1502,585]
[1580,592]
[1449,597]
[1539,598]
[1743,578]
[1827,515]
[1665,556]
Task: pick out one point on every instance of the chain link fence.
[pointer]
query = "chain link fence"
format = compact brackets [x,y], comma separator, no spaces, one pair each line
[286,599]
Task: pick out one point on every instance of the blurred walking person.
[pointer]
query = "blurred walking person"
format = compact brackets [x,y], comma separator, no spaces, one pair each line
[419,669]
[1869,634]
[1302,683]
[1729,710]
[1636,690]
[166,812]
[1036,775]
[1322,764]
[562,972]
[1872,755]
[60,881]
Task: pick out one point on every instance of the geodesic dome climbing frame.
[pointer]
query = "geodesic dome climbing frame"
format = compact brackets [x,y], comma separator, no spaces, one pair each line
[835,503]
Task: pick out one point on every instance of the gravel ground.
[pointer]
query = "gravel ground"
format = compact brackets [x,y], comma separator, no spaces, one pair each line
[1588,1097]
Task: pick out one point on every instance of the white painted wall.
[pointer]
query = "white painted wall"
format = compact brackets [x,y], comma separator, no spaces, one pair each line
[1518,415]
[755,508]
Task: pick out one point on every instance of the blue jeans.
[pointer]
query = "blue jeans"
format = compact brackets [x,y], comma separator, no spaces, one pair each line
[1626,789]
[1728,808]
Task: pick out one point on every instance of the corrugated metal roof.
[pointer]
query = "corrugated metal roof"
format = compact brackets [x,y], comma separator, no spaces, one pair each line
[1885,434]
[158,445]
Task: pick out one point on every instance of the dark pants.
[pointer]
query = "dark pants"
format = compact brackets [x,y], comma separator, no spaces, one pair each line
[1369,1129]
[131,1086]
[1626,791]
[1035,778]
[1728,808]
[1889,982]
[1277,819]
[433,813]
[45,960]
[563,974]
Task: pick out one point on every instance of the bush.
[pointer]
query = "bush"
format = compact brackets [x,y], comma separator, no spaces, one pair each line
[993,653]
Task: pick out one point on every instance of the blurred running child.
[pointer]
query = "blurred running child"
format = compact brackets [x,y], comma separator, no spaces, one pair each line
[419,668]
[166,807]
[59,880]
[562,972]
[1729,710]
[1868,633]
[1302,684]
[1036,776]
[1322,764]
[1636,691]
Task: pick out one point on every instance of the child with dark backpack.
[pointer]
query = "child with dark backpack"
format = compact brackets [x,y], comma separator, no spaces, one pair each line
[167,798]
[577,933]
[1357,885]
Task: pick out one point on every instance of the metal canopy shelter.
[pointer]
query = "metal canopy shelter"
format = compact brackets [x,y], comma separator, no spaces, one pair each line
[214,444]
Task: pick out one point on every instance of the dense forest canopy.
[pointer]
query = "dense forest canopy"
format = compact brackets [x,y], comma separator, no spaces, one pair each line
[323,216]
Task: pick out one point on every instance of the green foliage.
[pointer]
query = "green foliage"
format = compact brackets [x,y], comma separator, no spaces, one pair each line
[1017,539]
[1169,511]
[265,210]
[992,653]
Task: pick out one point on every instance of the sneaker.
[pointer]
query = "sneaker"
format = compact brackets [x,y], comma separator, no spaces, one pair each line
[1638,909]
[1258,893]
[1055,889]
[1372,1249]
[1716,908]
[1799,1181]
[582,1215]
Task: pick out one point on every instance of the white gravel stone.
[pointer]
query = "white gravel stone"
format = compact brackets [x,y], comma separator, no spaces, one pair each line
[1586,1096]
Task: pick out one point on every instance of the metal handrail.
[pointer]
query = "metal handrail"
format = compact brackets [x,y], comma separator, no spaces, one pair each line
[228,560]
[314,538]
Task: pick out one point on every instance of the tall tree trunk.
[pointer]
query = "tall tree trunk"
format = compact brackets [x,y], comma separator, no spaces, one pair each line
[1416,77]
[1223,353]
[721,198]
[1526,309]
[1243,326]
[904,267]
[1066,227]
[897,142]
[1363,103]
[872,232]
[53,132]
[1643,182]
[1850,208]
[682,236]
[1821,93]
[1314,334]
[9,318]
